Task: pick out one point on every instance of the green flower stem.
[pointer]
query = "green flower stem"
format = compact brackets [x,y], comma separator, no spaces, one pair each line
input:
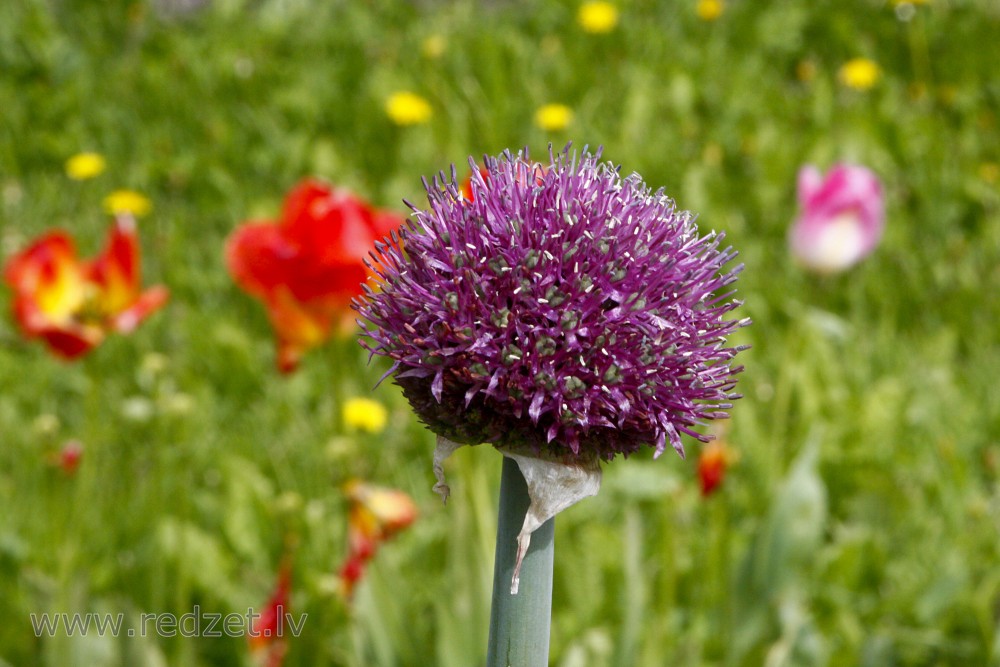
[336,361]
[519,624]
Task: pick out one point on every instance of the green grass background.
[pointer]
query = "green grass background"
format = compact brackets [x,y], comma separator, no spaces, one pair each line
[860,525]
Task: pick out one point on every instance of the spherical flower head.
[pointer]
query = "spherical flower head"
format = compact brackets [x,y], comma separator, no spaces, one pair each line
[597,17]
[564,312]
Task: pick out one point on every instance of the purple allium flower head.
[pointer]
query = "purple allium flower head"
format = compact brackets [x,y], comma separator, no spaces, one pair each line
[563,311]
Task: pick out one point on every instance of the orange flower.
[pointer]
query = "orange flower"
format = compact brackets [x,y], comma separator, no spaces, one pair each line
[267,633]
[72,304]
[308,266]
[715,459]
[376,514]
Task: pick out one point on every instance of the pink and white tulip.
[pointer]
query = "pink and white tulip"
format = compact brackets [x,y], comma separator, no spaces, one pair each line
[842,217]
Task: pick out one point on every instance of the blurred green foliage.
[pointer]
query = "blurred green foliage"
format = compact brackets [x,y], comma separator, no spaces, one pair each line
[860,525]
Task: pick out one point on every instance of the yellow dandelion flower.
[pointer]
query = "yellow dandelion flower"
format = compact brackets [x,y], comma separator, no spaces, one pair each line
[364,414]
[597,17]
[709,10]
[805,71]
[405,108]
[989,172]
[713,154]
[433,47]
[127,201]
[82,166]
[917,91]
[947,94]
[553,117]
[859,73]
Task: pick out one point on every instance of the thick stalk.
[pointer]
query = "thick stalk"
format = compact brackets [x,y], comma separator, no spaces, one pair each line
[519,624]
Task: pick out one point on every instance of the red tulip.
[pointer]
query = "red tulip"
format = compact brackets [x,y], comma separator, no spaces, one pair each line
[70,455]
[715,459]
[467,184]
[267,633]
[467,190]
[376,514]
[308,266]
[72,304]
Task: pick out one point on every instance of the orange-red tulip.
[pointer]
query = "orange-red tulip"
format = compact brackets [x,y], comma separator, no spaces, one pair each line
[467,184]
[307,266]
[715,459]
[71,303]
[466,187]
[267,633]
[70,455]
[376,514]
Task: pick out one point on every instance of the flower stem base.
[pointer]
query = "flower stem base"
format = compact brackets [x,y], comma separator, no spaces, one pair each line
[519,623]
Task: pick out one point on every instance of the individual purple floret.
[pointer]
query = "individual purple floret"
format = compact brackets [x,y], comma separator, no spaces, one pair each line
[561,311]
